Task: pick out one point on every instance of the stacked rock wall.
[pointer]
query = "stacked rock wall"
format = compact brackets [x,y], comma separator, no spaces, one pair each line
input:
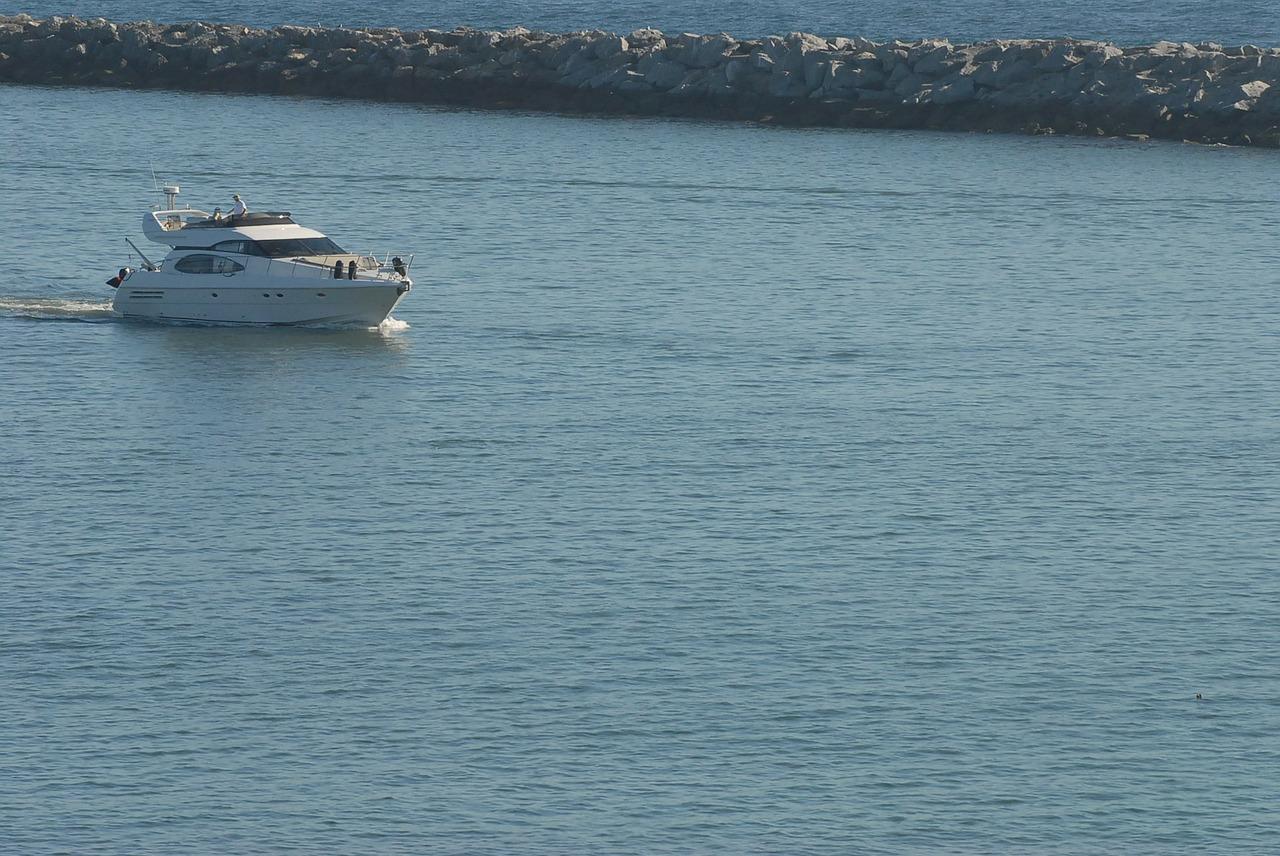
[1204,92]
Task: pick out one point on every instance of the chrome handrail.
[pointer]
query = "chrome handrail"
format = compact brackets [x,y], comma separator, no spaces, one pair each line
[322,265]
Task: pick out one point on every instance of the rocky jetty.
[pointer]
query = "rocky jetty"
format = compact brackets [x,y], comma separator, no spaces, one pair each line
[1204,92]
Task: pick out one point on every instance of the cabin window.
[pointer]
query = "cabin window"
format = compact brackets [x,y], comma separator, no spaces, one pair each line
[291,247]
[201,263]
[244,248]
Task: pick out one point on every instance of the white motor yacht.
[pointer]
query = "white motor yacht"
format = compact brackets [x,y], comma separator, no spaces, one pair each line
[254,268]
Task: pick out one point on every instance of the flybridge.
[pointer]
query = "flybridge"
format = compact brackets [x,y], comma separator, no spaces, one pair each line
[191,227]
[174,226]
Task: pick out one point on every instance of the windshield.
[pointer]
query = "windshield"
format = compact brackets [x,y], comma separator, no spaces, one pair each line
[300,247]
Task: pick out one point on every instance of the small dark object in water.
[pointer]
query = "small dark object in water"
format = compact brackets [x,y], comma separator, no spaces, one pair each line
[1198,697]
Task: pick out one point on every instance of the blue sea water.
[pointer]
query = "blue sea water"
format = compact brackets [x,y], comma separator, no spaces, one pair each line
[1124,21]
[722,489]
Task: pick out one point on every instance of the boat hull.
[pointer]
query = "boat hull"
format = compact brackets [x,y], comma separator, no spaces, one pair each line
[320,303]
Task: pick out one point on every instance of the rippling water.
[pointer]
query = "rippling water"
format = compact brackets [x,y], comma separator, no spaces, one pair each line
[724,489]
[1125,21]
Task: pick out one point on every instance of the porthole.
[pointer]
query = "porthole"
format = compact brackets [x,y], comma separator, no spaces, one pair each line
[264,294]
[278,294]
[321,294]
[215,294]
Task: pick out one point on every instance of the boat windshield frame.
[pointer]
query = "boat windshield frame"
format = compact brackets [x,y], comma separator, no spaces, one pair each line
[287,248]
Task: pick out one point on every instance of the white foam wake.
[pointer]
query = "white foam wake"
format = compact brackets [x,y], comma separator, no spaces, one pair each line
[56,308]
[393,325]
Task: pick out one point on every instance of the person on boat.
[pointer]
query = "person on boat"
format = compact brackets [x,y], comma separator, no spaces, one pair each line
[337,269]
[351,269]
[239,209]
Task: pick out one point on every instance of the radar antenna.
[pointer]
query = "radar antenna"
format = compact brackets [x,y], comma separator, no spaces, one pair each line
[170,196]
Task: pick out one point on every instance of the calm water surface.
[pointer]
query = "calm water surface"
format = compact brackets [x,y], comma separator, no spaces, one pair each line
[729,490]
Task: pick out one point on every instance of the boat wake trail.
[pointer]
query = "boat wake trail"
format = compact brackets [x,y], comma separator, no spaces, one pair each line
[56,309]
[96,311]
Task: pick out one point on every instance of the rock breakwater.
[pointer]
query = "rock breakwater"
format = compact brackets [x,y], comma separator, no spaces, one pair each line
[1204,92]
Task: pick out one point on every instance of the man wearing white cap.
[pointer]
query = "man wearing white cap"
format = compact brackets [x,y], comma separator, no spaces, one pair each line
[239,208]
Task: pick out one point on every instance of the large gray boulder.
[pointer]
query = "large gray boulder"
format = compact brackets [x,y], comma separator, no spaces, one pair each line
[787,84]
[815,68]
[647,38]
[662,73]
[956,92]
[700,51]
[610,46]
[935,61]
[1062,57]
[798,46]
